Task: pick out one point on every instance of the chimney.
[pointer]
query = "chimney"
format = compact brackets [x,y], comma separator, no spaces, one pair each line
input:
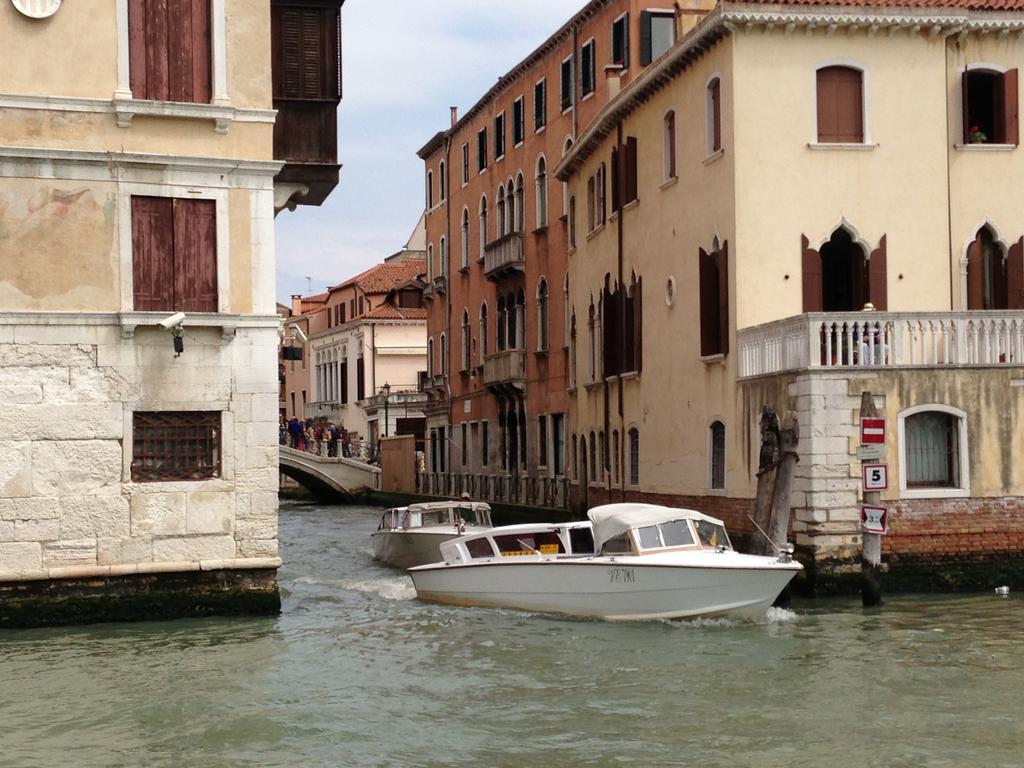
[296,304]
[455,115]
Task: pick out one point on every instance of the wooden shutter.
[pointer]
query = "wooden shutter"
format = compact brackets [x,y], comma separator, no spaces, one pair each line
[975,275]
[723,299]
[716,115]
[610,331]
[811,274]
[189,51]
[1011,121]
[965,106]
[617,172]
[153,254]
[709,316]
[638,324]
[195,255]
[645,38]
[629,180]
[1015,276]
[840,105]
[308,56]
[878,287]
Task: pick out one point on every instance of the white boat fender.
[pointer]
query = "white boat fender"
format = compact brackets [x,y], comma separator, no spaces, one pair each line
[1003,591]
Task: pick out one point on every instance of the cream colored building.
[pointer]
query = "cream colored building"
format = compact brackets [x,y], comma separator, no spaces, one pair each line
[781,167]
[137,180]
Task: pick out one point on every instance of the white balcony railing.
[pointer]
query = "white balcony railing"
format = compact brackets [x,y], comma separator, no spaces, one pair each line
[506,367]
[882,340]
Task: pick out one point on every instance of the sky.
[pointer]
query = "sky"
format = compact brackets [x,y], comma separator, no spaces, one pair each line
[405,62]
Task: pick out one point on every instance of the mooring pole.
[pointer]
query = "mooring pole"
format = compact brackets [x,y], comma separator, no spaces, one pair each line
[778,526]
[767,464]
[871,547]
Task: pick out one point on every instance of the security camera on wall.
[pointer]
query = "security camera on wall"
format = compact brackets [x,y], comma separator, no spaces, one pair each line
[172,322]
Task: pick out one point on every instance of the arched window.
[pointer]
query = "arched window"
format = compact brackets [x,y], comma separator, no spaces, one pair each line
[542,316]
[500,323]
[444,355]
[520,204]
[572,222]
[512,322]
[987,285]
[593,458]
[430,357]
[466,340]
[591,339]
[510,208]
[430,190]
[716,455]
[483,226]
[442,252]
[669,149]
[465,238]
[713,98]
[565,186]
[575,458]
[714,300]
[542,192]
[442,183]
[840,105]
[483,330]
[565,311]
[572,351]
[933,451]
[602,455]
[499,207]
[634,456]
[430,262]
[615,457]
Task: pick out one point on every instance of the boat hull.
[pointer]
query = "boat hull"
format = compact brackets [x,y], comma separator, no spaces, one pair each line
[606,589]
[407,549]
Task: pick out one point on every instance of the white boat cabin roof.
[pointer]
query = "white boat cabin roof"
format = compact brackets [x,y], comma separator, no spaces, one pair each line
[613,520]
[428,506]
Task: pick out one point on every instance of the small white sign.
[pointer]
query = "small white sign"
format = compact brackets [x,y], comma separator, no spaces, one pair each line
[467,406]
[874,520]
[876,477]
[37,9]
[870,452]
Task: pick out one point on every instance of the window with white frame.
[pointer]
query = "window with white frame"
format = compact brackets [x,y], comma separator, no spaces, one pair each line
[464,260]
[840,105]
[484,334]
[518,121]
[933,451]
[465,164]
[542,316]
[430,190]
[466,341]
[713,97]
[442,182]
[657,34]
[567,86]
[669,148]
[540,104]
[442,267]
[483,225]
[588,69]
[542,192]
[430,262]
[499,136]
[620,41]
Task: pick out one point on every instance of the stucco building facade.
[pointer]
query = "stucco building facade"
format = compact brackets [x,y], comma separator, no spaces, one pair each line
[787,167]
[497,233]
[139,178]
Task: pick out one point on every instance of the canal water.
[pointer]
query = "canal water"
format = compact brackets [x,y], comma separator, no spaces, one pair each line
[355,672]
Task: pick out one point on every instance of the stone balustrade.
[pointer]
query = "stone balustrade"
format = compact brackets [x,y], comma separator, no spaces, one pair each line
[504,255]
[848,340]
[508,367]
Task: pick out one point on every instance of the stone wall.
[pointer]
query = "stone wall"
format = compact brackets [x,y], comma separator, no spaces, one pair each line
[68,506]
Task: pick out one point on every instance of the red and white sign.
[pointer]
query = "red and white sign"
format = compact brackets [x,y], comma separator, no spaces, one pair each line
[872,431]
[876,477]
[874,520]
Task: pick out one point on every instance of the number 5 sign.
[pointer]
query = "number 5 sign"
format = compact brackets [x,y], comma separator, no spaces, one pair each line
[876,477]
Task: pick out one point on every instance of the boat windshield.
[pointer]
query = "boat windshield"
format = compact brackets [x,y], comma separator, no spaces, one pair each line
[712,535]
[470,516]
[435,517]
[675,533]
[480,547]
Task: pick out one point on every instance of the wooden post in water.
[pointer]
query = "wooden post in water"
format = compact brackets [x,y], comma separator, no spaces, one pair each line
[767,465]
[871,548]
[778,526]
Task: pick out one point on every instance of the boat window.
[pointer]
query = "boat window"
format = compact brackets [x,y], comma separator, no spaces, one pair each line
[649,537]
[618,546]
[712,535]
[543,542]
[435,517]
[676,534]
[479,547]
[582,541]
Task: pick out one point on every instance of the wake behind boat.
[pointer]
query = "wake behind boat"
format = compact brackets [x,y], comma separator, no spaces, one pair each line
[410,536]
[629,562]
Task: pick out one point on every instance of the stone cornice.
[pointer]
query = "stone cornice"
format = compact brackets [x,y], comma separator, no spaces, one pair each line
[139,159]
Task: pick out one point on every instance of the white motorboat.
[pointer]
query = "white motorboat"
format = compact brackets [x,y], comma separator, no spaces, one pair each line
[629,562]
[409,536]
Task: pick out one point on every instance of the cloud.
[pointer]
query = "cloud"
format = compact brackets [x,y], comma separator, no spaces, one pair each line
[404,63]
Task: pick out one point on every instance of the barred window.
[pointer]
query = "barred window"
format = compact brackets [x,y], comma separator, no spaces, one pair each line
[717,456]
[172,445]
[933,450]
[634,456]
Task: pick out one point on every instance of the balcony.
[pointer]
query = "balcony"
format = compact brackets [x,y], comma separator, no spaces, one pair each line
[433,383]
[306,67]
[882,340]
[504,257]
[505,369]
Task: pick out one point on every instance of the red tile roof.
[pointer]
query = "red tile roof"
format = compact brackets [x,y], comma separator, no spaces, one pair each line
[971,5]
[383,277]
[388,312]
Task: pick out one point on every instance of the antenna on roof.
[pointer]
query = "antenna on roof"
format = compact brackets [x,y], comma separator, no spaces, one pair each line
[309,285]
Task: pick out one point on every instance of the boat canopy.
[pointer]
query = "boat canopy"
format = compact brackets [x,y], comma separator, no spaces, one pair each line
[427,506]
[613,520]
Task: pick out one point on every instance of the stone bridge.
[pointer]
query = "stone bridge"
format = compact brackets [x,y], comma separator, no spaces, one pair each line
[329,477]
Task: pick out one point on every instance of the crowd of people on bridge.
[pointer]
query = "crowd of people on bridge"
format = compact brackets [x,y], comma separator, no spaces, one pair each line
[316,436]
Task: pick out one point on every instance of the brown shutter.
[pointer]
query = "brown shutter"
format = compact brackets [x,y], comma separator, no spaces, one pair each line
[1015,276]
[189,51]
[850,117]
[716,115]
[709,321]
[1011,121]
[195,255]
[638,324]
[617,158]
[723,299]
[153,254]
[629,179]
[964,87]
[975,275]
[826,107]
[155,30]
[137,48]
[646,46]
[811,273]
[878,287]
[671,129]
